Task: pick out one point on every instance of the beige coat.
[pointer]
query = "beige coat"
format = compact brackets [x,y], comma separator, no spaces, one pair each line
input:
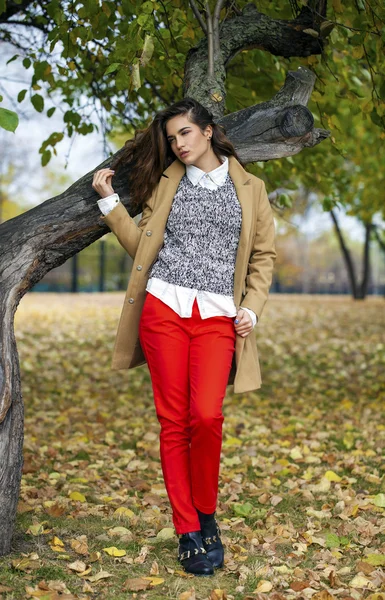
[253,267]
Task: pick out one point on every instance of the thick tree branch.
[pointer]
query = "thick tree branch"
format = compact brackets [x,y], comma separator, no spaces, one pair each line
[251,29]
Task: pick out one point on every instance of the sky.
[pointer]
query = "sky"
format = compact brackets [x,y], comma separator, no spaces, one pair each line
[81,154]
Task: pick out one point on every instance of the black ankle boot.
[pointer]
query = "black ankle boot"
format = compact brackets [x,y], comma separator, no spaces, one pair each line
[212,542]
[192,554]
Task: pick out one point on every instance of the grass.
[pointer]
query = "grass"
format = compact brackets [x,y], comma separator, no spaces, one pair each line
[94,431]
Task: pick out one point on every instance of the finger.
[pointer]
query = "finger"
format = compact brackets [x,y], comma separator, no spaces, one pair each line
[240,317]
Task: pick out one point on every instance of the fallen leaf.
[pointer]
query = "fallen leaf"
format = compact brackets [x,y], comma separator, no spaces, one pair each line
[155,580]
[154,568]
[375,559]
[79,566]
[77,496]
[114,551]
[189,595]
[167,533]
[264,586]
[136,584]
[99,576]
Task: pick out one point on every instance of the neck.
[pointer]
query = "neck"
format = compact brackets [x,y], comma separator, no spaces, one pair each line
[207,162]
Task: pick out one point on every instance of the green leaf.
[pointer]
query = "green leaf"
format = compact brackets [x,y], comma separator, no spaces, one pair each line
[38,102]
[21,95]
[26,62]
[50,111]
[8,119]
[379,500]
[242,510]
[45,157]
[285,200]
[2,6]
[332,540]
[113,67]
[13,57]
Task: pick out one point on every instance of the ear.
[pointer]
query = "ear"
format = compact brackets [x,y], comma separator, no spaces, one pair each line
[209,131]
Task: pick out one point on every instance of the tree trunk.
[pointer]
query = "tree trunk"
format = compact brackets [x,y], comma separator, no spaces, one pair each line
[11,428]
[358,291]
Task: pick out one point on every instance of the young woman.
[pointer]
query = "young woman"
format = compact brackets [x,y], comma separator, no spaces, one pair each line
[203,261]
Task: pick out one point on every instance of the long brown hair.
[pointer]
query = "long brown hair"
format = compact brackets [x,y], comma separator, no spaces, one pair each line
[150,152]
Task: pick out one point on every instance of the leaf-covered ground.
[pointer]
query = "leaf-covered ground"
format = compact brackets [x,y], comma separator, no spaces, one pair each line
[302,485]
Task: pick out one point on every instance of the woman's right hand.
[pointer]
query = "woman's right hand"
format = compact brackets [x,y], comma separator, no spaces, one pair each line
[102,182]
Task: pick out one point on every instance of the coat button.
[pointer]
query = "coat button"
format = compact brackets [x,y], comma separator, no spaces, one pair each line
[148,232]
[131,300]
[139,268]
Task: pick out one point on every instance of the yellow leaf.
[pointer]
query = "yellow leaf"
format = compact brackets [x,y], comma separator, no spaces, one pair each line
[264,586]
[296,453]
[232,441]
[57,541]
[113,551]
[155,580]
[94,556]
[283,569]
[331,476]
[38,529]
[124,512]
[57,548]
[189,595]
[375,559]
[77,496]
[167,533]
[218,594]
[119,531]
[359,581]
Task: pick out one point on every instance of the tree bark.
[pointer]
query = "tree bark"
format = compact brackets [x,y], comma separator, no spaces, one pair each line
[46,236]
[250,29]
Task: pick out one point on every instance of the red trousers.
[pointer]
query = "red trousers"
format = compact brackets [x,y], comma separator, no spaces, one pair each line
[189,361]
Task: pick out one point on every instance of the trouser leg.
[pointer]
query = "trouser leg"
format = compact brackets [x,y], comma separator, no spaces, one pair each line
[211,351]
[165,342]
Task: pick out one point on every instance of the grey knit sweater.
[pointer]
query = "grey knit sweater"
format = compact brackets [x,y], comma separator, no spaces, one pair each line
[201,238]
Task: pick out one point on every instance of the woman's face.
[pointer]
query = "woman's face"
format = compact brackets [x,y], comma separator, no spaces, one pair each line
[185,136]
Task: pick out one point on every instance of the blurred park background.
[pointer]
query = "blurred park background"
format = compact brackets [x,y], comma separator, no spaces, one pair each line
[302,484]
[328,200]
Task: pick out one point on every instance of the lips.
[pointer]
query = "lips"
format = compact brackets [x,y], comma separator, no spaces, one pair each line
[183,154]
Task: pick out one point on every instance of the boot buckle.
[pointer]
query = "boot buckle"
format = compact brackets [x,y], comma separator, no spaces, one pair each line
[184,555]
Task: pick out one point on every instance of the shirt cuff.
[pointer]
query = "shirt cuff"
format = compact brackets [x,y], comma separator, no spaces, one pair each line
[108,203]
[252,314]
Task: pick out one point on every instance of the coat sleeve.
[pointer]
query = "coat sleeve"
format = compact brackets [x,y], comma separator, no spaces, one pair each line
[262,257]
[124,227]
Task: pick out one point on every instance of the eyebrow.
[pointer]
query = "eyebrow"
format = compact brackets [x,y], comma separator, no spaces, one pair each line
[181,129]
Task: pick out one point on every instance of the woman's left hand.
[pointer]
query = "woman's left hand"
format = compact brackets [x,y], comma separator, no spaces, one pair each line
[244,325]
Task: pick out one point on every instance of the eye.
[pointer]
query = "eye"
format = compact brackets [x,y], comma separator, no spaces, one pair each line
[183,133]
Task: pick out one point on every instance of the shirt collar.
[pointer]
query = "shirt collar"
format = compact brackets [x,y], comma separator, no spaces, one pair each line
[217,175]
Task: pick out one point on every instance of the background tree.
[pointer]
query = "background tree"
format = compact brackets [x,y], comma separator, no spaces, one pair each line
[125,61]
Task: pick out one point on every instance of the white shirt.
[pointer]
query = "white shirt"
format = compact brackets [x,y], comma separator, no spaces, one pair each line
[177,297]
